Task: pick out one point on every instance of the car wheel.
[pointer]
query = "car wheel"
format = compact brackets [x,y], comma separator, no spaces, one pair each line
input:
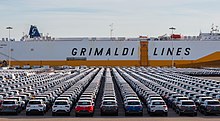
[205,113]
[76,115]
[141,114]
[101,113]
[150,113]
[166,114]
[180,114]
[42,113]
[116,114]
[17,111]
[126,114]
[53,114]
[27,113]
[68,113]
[195,114]
[177,111]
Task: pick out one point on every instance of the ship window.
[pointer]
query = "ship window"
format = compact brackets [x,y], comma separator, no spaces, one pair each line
[12,49]
[32,49]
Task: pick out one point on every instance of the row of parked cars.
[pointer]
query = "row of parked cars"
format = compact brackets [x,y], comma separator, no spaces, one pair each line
[185,94]
[109,104]
[131,101]
[86,103]
[191,71]
[65,102]
[153,101]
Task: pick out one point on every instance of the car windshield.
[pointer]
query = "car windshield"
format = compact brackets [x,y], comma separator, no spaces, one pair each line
[60,103]
[158,103]
[133,103]
[109,103]
[84,103]
[9,102]
[34,102]
[213,103]
[187,103]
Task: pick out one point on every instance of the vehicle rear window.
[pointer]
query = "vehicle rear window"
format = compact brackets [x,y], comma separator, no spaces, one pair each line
[133,103]
[62,99]
[84,103]
[213,103]
[108,103]
[8,102]
[187,103]
[109,98]
[183,99]
[34,102]
[14,99]
[60,103]
[158,103]
[40,99]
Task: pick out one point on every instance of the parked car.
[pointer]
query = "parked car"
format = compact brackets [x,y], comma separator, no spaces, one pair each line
[35,106]
[186,107]
[133,107]
[157,107]
[109,107]
[10,106]
[61,107]
[210,107]
[84,107]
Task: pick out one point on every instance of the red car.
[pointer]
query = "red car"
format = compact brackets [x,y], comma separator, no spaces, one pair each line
[84,107]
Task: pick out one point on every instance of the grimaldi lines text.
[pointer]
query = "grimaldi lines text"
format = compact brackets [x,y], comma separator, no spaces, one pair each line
[103,51]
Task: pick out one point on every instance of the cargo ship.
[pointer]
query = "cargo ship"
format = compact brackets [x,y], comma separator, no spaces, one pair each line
[174,50]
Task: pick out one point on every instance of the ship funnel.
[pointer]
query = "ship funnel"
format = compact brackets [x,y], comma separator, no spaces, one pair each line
[34,33]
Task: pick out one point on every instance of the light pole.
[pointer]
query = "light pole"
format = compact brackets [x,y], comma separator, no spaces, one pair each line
[9,51]
[172,29]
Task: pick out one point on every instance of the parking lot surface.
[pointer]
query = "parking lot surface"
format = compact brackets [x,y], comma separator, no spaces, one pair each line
[136,90]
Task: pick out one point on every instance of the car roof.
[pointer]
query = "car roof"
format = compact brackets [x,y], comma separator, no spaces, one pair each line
[10,100]
[133,101]
[186,101]
[84,101]
[157,101]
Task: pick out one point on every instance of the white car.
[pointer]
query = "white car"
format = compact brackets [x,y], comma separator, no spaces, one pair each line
[60,107]
[10,106]
[35,106]
[157,107]
[67,99]
[20,101]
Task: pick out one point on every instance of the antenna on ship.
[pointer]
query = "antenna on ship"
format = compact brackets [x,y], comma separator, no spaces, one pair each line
[111,29]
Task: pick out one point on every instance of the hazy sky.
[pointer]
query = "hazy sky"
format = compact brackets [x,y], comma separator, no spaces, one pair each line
[131,18]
